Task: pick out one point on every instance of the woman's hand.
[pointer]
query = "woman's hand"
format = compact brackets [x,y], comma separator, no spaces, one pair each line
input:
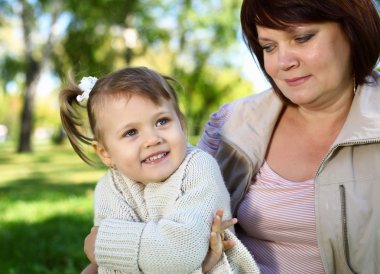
[89,244]
[217,242]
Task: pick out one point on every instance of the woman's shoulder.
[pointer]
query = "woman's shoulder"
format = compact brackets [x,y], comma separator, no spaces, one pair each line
[219,117]
[210,138]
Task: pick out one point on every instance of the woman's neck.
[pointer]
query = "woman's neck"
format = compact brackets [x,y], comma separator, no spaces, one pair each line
[329,115]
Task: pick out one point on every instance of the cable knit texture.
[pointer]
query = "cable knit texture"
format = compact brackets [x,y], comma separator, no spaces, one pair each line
[164,227]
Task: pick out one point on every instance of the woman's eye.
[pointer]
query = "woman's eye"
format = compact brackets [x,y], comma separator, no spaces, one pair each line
[162,121]
[304,38]
[130,133]
[267,48]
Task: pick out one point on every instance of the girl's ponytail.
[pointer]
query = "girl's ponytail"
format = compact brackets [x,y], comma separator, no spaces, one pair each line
[73,117]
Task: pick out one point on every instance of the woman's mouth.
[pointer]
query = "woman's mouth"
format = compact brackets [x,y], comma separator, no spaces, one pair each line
[297,81]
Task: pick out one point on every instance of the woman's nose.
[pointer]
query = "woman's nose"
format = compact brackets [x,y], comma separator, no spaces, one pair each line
[286,58]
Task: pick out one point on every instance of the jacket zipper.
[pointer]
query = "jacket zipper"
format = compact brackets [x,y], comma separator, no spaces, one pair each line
[343,198]
[344,227]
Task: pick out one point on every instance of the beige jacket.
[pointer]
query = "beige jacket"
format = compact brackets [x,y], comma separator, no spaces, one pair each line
[347,183]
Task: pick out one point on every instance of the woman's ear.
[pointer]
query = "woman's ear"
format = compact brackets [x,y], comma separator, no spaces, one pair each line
[102,152]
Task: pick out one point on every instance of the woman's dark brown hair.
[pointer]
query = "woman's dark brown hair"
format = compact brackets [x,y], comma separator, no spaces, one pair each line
[359,20]
[122,83]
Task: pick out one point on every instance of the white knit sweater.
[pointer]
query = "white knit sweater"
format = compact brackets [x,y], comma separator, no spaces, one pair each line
[164,227]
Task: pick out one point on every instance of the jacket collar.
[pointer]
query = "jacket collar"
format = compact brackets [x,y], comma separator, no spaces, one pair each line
[363,120]
[254,118]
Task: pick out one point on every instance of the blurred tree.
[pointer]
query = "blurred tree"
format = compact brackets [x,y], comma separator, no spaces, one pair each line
[32,58]
[201,53]
[88,39]
[35,59]
[85,44]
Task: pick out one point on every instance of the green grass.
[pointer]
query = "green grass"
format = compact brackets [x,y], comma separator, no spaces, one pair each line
[46,211]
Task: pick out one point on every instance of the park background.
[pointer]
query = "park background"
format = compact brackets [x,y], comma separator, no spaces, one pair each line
[46,191]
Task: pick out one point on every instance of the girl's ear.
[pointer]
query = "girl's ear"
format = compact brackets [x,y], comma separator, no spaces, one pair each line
[102,153]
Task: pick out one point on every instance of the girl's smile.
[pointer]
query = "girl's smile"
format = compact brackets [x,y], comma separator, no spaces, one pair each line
[144,140]
[156,158]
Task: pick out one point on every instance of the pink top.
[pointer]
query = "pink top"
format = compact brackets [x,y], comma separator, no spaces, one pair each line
[277,221]
[276,217]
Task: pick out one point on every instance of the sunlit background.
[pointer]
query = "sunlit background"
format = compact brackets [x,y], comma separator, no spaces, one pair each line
[46,191]
[198,43]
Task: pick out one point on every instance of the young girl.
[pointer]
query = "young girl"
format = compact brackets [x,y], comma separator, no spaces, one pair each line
[154,207]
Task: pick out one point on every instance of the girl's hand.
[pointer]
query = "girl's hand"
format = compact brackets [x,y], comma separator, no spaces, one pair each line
[217,242]
[90,269]
[89,244]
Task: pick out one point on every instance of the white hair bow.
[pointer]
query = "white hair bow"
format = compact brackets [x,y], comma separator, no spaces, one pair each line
[86,85]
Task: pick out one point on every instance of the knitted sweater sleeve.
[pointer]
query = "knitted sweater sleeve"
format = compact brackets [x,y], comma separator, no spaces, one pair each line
[177,242]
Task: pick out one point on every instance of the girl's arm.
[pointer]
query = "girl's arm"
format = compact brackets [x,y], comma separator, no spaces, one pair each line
[218,243]
[90,269]
[180,236]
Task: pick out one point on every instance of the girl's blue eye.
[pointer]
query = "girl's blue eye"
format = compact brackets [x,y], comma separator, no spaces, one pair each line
[162,121]
[130,133]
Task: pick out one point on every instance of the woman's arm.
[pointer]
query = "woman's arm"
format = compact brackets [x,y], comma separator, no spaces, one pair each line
[210,138]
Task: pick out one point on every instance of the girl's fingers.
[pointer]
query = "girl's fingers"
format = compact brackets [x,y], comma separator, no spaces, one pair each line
[217,224]
[228,244]
[228,223]
[216,244]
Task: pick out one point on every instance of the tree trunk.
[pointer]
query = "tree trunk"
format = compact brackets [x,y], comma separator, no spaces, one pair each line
[25,137]
[34,70]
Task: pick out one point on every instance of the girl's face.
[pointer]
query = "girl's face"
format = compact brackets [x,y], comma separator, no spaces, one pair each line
[310,63]
[145,141]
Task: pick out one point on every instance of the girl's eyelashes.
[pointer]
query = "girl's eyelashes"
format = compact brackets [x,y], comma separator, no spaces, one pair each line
[130,133]
[162,121]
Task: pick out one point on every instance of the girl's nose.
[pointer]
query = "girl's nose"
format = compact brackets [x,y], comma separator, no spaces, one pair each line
[153,138]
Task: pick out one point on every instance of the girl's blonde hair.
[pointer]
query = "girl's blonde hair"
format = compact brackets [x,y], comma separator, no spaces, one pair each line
[122,83]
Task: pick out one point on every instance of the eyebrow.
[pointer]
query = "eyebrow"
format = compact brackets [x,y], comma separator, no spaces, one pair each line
[264,39]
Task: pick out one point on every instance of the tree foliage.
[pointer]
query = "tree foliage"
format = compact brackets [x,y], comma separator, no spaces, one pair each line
[186,39]
[202,35]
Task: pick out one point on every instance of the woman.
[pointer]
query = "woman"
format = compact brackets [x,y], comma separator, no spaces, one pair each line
[303,168]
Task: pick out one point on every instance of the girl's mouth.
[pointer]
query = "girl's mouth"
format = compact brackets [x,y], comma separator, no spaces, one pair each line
[154,158]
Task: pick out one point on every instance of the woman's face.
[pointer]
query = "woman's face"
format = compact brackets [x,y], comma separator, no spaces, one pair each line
[310,63]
